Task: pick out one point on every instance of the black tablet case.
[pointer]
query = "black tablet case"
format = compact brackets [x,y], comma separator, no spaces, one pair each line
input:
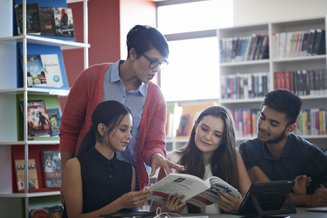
[268,198]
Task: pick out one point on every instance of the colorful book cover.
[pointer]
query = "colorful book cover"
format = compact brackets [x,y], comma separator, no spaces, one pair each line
[64,24]
[32,174]
[47,22]
[184,125]
[32,18]
[35,71]
[37,118]
[54,116]
[52,168]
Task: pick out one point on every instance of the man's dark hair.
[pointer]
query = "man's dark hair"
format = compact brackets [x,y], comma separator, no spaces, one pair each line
[143,38]
[284,101]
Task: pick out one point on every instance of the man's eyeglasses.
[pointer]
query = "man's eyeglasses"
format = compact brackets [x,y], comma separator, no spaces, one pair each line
[153,63]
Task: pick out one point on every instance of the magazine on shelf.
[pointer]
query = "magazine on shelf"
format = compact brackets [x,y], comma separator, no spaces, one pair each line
[196,190]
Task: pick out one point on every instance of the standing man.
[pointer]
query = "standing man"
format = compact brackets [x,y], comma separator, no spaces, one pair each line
[278,154]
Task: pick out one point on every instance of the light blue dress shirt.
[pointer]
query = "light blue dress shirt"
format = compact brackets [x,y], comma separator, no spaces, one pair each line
[114,89]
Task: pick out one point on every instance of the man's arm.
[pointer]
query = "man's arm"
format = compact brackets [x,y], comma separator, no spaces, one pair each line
[317,199]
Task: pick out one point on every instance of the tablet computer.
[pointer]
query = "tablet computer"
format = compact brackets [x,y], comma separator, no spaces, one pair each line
[268,198]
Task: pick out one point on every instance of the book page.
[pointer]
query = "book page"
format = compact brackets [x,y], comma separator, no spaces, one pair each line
[219,184]
[174,183]
[210,196]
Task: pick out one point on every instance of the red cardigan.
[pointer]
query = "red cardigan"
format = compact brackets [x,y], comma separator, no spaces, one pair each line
[87,92]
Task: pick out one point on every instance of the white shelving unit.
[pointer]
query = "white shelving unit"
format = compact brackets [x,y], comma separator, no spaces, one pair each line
[19,204]
[276,62]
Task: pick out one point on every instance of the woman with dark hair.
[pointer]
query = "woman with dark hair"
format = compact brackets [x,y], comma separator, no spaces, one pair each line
[97,183]
[211,151]
[128,82]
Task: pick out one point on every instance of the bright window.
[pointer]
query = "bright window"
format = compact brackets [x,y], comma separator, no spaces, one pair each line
[194,16]
[193,71]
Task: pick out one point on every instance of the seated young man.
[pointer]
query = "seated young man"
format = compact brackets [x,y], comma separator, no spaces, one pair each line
[278,154]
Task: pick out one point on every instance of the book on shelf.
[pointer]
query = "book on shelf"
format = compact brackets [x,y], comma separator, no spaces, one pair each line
[56,21]
[32,174]
[173,116]
[302,82]
[51,160]
[186,115]
[52,71]
[46,18]
[195,190]
[47,22]
[299,43]
[55,120]
[50,212]
[32,18]
[184,125]
[64,22]
[37,118]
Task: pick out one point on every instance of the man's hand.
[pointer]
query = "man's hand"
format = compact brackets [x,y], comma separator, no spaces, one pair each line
[160,161]
[318,198]
[300,184]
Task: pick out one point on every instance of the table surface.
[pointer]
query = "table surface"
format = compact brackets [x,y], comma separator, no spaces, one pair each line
[301,213]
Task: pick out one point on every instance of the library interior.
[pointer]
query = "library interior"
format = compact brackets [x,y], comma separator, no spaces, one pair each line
[224,55]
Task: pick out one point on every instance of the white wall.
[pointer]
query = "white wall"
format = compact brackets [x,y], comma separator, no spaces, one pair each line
[265,11]
[134,12]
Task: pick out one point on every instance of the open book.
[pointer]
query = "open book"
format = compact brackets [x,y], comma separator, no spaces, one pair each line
[196,191]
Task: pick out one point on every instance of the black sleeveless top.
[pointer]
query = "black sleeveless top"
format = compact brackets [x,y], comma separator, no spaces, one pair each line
[103,180]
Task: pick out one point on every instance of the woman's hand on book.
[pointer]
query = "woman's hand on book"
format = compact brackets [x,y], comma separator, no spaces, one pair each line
[174,203]
[228,202]
[134,199]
